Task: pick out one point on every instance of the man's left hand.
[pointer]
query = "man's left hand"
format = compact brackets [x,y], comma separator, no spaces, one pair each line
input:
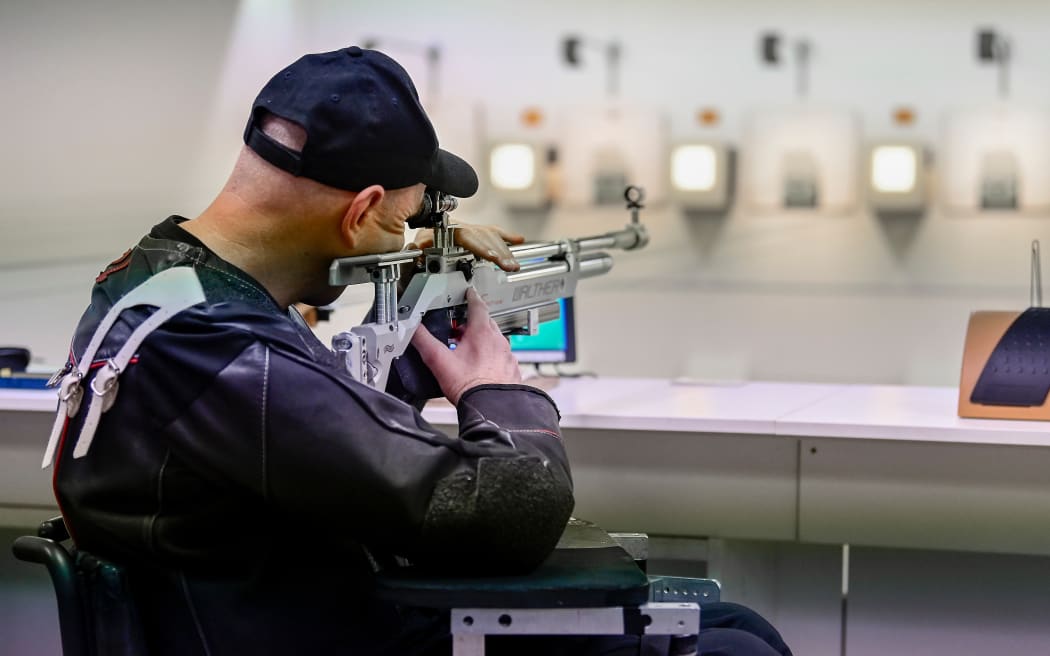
[484,241]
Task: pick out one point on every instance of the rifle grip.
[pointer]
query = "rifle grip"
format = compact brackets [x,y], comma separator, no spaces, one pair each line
[410,379]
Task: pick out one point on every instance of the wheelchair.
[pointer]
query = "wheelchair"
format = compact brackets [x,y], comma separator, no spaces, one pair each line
[593,583]
[96,611]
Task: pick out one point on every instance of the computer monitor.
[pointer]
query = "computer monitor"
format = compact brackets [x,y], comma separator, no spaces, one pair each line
[555,341]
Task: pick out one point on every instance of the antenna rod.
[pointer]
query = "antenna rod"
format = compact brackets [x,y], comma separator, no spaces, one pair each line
[1036,291]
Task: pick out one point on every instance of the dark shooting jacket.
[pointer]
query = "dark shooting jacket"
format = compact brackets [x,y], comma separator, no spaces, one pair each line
[251,488]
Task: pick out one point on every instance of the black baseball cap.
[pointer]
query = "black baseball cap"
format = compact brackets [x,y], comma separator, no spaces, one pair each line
[364,125]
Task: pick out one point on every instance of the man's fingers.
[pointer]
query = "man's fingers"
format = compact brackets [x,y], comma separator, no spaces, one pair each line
[507,261]
[430,348]
[510,237]
[489,243]
[477,310]
[499,254]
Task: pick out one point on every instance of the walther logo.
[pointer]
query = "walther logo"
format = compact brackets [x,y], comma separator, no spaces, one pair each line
[541,289]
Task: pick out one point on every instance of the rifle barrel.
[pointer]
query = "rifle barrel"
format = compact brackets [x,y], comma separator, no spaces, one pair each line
[625,239]
[591,264]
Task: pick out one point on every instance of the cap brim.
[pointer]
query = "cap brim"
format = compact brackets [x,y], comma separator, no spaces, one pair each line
[452,175]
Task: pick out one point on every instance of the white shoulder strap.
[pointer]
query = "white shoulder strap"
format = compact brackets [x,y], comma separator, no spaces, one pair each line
[172,291]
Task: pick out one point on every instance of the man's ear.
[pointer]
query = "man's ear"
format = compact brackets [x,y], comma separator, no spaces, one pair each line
[365,200]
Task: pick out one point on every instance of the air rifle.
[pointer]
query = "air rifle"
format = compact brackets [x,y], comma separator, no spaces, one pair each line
[378,352]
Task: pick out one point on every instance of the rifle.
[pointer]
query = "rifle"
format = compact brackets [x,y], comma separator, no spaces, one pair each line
[378,352]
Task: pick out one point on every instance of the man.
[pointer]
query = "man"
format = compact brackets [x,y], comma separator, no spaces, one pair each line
[248,484]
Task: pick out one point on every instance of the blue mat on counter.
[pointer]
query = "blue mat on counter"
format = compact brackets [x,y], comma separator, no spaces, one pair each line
[24,381]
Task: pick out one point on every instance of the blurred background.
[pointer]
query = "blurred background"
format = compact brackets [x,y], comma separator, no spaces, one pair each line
[119,113]
[833,186]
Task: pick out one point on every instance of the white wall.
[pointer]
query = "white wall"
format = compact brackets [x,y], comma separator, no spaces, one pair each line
[118,113]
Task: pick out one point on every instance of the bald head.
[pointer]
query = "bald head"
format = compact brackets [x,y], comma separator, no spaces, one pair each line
[272,191]
[285,230]
[289,134]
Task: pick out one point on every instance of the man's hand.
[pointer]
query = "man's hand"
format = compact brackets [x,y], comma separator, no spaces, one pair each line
[482,355]
[487,242]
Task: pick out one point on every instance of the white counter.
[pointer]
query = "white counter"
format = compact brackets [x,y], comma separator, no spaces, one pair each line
[924,414]
[877,412]
[863,464]
[29,400]
[661,405]
[875,465]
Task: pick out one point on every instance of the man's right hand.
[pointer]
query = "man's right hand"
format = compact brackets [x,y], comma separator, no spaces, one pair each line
[482,354]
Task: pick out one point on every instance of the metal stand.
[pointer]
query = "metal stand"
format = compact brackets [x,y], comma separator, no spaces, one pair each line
[471,625]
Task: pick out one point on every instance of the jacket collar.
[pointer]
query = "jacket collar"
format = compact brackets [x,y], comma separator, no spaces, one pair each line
[221,279]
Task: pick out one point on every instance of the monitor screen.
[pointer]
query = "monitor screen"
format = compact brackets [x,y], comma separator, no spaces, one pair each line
[555,341]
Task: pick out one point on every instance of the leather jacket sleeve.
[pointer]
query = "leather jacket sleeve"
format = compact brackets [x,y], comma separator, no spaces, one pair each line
[318,447]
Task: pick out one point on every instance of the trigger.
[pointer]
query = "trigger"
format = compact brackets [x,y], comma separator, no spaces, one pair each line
[464,267]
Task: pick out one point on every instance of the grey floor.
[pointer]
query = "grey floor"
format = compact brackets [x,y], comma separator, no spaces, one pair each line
[28,615]
[911,602]
[901,601]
